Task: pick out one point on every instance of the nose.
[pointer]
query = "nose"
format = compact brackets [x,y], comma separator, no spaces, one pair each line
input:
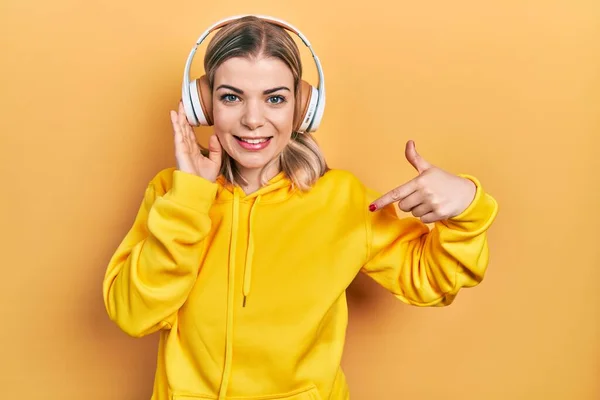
[253,117]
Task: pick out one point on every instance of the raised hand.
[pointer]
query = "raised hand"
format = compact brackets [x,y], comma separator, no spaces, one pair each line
[432,195]
[187,151]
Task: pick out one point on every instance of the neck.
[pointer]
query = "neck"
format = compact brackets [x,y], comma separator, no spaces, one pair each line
[252,177]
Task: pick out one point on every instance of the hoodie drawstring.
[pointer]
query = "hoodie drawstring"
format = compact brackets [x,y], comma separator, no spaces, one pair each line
[230,295]
[231,283]
[249,254]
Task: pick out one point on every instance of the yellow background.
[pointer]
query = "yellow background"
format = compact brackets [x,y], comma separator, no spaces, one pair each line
[507,91]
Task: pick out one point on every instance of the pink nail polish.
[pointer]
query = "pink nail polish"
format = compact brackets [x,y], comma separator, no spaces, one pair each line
[372,207]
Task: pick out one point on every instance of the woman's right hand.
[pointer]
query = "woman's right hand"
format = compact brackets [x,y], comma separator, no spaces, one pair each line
[187,151]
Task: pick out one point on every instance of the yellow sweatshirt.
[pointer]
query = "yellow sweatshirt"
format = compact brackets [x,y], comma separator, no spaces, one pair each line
[248,291]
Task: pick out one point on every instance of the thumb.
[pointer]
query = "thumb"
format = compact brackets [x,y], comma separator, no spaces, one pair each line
[215,151]
[414,158]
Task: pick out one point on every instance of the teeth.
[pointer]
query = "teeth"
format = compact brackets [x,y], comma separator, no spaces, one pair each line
[253,141]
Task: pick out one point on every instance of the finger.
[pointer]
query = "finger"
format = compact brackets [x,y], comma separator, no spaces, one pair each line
[177,139]
[411,201]
[394,195]
[182,117]
[190,138]
[429,218]
[215,150]
[414,158]
[187,134]
[173,116]
[176,128]
[177,119]
[422,209]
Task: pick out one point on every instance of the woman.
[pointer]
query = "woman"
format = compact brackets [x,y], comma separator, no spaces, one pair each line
[241,257]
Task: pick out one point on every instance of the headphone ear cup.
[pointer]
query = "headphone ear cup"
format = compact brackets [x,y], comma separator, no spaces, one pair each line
[201,99]
[305,107]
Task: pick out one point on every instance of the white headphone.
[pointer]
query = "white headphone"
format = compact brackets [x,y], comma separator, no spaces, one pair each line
[197,98]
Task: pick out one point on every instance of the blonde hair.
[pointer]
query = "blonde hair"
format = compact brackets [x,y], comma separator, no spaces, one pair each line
[301,160]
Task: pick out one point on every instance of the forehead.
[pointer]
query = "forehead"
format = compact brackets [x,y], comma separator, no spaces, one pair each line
[254,73]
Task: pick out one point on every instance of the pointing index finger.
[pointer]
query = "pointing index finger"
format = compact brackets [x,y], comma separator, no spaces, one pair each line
[394,195]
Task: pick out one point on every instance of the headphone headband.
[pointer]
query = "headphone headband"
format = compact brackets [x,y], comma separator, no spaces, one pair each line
[219,24]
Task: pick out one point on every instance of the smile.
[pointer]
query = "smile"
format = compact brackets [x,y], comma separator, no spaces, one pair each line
[253,143]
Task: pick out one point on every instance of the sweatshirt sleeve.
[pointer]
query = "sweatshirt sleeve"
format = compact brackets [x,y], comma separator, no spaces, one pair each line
[428,267]
[155,267]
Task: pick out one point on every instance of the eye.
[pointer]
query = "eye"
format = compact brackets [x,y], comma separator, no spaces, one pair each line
[229,98]
[276,99]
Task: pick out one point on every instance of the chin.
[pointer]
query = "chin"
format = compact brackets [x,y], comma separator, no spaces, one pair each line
[253,161]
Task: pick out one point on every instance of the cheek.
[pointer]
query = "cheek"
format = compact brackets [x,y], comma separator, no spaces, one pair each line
[284,120]
[222,117]
[222,126]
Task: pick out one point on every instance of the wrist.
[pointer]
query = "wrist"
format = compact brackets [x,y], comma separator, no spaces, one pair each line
[468,193]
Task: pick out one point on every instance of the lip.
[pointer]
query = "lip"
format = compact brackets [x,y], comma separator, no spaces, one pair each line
[253,146]
[252,137]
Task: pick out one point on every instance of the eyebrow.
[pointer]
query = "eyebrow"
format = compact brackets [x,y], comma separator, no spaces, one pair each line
[268,91]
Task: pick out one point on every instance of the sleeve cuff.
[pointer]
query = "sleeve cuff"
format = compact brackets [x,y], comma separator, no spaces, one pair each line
[478,215]
[193,191]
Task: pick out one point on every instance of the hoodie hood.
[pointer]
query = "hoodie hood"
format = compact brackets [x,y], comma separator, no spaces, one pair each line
[277,189]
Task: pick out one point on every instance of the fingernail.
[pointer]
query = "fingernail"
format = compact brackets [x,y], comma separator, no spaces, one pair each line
[372,207]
